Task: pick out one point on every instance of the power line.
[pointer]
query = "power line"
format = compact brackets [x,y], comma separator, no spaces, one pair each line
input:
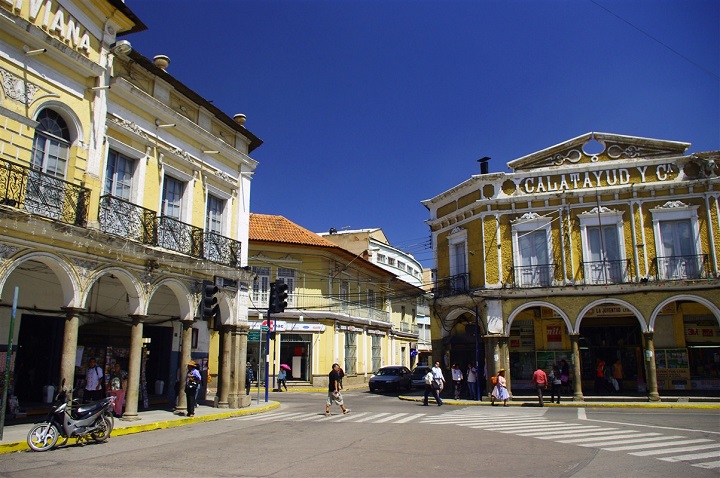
[657,41]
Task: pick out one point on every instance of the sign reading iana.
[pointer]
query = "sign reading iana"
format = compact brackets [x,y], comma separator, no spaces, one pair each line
[594,179]
[55,20]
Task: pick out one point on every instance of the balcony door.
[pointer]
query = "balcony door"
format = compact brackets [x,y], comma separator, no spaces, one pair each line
[679,258]
[534,262]
[605,263]
[45,190]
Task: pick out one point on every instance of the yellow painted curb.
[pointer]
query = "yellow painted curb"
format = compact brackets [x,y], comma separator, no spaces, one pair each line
[571,404]
[145,427]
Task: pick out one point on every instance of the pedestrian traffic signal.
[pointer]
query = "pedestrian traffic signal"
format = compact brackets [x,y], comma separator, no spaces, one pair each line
[209,307]
[282,294]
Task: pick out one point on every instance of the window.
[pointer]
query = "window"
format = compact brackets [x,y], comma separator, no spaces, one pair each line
[677,241]
[457,244]
[401,265]
[603,246]
[172,198]
[382,258]
[215,207]
[260,287]
[350,353]
[118,175]
[532,251]
[287,276]
[344,293]
[376,352]
[371,299]
[51,146]
[391,261]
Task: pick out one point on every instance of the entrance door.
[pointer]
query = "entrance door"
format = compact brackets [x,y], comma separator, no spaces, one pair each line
[38,356]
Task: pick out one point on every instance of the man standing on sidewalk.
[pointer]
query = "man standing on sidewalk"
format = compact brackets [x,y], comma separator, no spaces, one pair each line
[539,381]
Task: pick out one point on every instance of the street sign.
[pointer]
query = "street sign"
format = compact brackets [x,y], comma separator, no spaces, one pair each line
[264,328]
[254,335]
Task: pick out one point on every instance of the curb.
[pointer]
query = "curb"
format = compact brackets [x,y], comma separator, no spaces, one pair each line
[145,427]
[572,404]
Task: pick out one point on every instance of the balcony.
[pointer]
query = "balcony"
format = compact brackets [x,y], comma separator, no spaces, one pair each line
[533,276]
[180,237]
[317,302]
[221,249]
[43,194]
[453,285]
[681,267]
[606,272]
[125,219]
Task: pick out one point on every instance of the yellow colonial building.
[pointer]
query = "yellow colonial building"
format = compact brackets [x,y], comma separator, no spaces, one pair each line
[601,251]
[341,308]
[121,191]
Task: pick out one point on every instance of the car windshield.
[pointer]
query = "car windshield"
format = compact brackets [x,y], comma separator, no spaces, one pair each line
[420,372]
[388,371]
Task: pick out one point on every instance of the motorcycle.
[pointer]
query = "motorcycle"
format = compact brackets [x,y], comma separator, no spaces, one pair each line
[68,419]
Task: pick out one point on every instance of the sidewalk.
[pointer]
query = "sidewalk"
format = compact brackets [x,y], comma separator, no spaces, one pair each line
[15,436]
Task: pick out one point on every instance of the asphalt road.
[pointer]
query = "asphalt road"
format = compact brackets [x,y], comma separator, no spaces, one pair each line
[383,436]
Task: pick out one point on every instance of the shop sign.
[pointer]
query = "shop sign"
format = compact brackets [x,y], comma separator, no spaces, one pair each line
[55,20]
[303,327]
[278,326]
[702,333]
[608,311]
[554,336]
[350,328]
[376,332]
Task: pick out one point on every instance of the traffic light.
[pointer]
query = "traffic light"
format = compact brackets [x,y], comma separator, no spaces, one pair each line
[273,298]
[281,290]
[278,297]
[209,307]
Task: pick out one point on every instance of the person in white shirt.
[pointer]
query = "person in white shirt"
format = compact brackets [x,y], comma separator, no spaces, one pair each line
[93,382]
[431,386]
[438,376]
[472,382]
[457,378]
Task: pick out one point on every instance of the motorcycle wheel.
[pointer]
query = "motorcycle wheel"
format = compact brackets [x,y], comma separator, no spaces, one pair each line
[37,442]
[103,431]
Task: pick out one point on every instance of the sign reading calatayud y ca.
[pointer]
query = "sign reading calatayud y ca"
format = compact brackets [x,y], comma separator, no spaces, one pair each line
[599,178]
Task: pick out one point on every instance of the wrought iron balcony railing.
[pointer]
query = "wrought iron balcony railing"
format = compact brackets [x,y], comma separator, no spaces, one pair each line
[606,272]
[533,276]
[681,267]
[221,249]
[179,237]
[43,194]
[453,285]
[125,219]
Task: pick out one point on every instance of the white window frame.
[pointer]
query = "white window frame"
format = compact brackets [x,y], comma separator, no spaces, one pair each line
[601,218]
[527,224]
[675,211]
[286,275]
[260,287]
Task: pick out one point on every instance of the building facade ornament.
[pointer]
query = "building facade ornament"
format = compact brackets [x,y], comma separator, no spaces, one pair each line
[17,89]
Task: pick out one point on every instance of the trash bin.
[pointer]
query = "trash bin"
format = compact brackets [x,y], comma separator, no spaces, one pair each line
[159,387]
[48,393]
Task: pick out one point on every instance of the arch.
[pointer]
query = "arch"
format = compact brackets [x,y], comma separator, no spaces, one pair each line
[638,315]
[185,297]
[226,309]
[458,311]
[68,280]
[73,121]
[537,303]
[693,298]
[131,284]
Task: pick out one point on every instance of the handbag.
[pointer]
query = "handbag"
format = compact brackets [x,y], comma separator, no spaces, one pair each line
[436,385]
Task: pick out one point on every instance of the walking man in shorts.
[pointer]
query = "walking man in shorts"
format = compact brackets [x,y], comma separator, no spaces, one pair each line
[334,395]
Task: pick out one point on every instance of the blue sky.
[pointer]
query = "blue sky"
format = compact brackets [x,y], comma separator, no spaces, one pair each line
[368,107]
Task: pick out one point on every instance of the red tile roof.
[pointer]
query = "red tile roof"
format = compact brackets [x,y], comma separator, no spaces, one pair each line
[264,227]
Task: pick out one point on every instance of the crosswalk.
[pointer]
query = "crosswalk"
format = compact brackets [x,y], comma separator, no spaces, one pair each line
[531,423]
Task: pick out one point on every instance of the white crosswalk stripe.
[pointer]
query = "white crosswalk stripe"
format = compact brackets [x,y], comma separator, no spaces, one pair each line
[697,452]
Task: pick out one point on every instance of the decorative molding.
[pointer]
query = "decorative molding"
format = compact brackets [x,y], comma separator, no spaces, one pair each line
[84,267]
[528,216]
[572,156]
[626,151]
[456,230]
[17,89]
[130,126]
[7,251]
[601,210]
[673,205]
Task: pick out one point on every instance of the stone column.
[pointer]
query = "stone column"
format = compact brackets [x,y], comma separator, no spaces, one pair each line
[185,357]
[577,376]
[505,360]
[136,348]
[234,365]
[225,367]
[242,338]
[69,350]
[492,359]
[650,368]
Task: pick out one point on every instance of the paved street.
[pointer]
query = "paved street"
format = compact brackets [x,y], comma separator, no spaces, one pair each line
[384,436]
